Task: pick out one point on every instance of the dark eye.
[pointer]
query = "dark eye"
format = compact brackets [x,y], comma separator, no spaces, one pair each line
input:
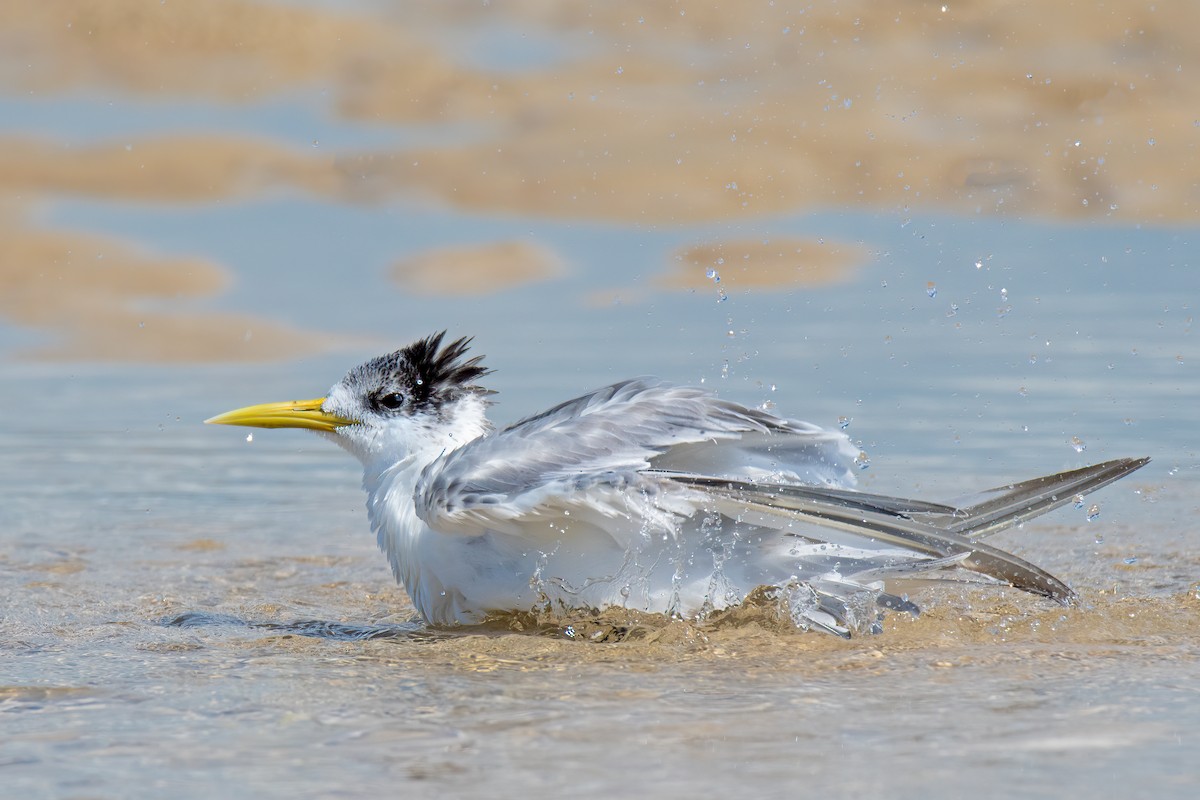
[391,402]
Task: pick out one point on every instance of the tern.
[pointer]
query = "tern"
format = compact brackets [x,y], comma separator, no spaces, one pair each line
[646,495]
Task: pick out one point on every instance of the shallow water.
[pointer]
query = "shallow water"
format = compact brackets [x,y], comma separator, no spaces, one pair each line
[192,611]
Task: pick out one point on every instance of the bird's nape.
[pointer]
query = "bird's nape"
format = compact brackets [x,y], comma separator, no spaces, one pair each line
[645,495]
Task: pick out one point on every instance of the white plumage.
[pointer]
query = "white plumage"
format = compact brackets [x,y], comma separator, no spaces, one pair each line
[646,495]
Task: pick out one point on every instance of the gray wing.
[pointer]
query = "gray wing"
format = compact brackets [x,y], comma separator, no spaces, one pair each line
[607,440]
[645,453]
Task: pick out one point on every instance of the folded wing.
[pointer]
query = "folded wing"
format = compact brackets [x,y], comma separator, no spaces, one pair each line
[646,454]
[606,440]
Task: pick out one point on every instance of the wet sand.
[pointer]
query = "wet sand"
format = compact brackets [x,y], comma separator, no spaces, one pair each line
[634,115]
[189,612]
[477,270]
[192,614]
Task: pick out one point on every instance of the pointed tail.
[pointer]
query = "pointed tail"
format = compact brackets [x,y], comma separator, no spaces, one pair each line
[941,531]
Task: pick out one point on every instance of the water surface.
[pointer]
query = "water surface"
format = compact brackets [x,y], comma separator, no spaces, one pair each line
[192,611]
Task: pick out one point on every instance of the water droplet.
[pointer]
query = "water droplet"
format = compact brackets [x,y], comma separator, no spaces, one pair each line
[1131,560]
[712,275]
[1078,444]
[862,460]
[1129,421]
[721,296]
[843,422]
[1099,538]
[249,437]
[931,289]
[620,70]
[979,264]
[1093,512]
[1023,392]
[1079,501]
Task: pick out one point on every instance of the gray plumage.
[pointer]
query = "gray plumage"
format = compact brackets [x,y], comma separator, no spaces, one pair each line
[652,496]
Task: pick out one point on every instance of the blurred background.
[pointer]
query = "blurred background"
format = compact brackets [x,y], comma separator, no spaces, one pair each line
[965,232]
[854,204]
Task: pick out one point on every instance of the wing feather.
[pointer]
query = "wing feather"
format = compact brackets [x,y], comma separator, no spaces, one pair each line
[606,440]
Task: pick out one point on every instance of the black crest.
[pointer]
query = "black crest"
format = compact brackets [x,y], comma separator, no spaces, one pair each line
[443,369]
[423,374]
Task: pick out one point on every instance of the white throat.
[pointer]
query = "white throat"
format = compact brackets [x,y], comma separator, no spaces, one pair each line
[390,483]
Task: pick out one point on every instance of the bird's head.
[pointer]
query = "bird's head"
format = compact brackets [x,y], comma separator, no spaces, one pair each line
[420,398]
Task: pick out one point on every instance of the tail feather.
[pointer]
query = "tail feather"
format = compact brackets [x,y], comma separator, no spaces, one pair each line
[1005,506]
[948,534]
[900,532]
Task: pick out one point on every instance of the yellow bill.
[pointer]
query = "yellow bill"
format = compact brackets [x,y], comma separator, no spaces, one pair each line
[290,414]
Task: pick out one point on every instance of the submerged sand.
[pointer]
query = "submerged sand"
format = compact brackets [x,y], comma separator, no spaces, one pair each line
[635,115]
